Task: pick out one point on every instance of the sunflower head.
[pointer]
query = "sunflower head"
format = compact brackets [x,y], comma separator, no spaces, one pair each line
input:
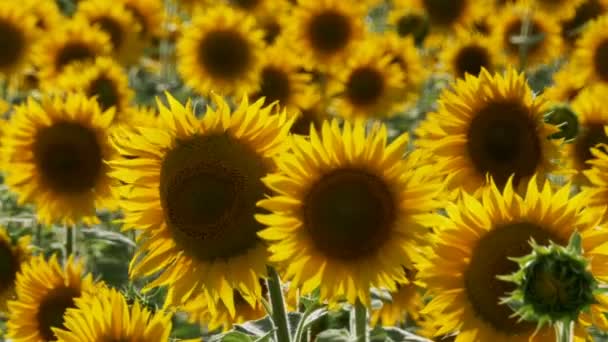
[56,150]
[586,11]
[344,197]
[404,54]
[148,14]
[13,254]
[468,54]
[191,187]
[17,33]
[406,303]
[95,318]
[409,22]
[45,290]
[567,85]
[47,14]
[591,54]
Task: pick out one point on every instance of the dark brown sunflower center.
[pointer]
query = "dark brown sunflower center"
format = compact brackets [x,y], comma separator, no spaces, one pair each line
[9,266]
[305,119]
[113,29]
[490,259]
[585,12]
[51,310]
[503,140]
[68,157]
[225,54]
[412,25]
[329,32]
[444,12]
[13,43]
[246,4]
[515,29]
[470,60]
[73,52]
[365,86]
[349,214]
[209,187]
[590,135]
[275,86]
[600,60]
[106,93]
[272,29]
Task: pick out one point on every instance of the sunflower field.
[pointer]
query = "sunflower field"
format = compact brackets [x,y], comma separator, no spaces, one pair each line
[303,170]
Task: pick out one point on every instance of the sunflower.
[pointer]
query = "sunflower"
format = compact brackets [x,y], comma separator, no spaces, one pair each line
[47,14]
[191,188]
[149,15]
[473,247]
[562,9]
[403,53]
[221,51]
[119,23]
[347,211]
[490,125]
[368,85]
[324,31]
[105,80]
[56,151]
[105,316]
[17,33]
[586,11]
[282,81]
[405,304]
[544,30]
[45,291]
[468,53]
[256,7]
[409,22]
[74,41]
[591,55]
[13,254]
[567,85]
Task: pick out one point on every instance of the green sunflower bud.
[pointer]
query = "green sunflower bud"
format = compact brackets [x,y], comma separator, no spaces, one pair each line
[565,119]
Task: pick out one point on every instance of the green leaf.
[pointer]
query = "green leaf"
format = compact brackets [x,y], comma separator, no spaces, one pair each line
[397,334]
[234,336]
[257,328]
[334,335]
[107,235]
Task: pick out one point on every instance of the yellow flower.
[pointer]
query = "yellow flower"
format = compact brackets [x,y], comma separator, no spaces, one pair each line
[190,187]
[469,53]
[562,9]
[17,34]
[47,14]
[409,22]
[403,53]
[567,85]
[13,254]
[221,51]
[405,304]
[472,248]
[45,291]
[489,125]
[347,211]
[105,316]
[56,151]
[590,58]
[149,14]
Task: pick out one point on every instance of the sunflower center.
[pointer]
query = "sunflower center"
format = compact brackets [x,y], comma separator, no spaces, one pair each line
[13,42]
[68,157]
[329,32]
[588,10]
[411,24]
[600,60]
[490,259]
[365,86]
[349,214]
[471,59]
[225,54]
[246,4]
[9,266]
[73,52]
[112,28]
[502,140]
[209,187]
[591,135]
[444,12]
[275,85]
[52,308]
[514,30]
[105,90]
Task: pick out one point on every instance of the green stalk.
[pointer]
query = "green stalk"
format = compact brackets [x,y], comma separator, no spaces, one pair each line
[70,241]
[525,45]
[564,331]
[361,322]
[279,314]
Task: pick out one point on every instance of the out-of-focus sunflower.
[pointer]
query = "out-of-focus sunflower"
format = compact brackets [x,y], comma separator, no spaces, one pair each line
[56,151]
[191,188]
[105,316]
[403,53]
[73,41]
[490,125]
[368,85]
[473,247]
[149,14]
[45,291]
[469,53]
[221,51]
[592,118]
[17,34]
[281,80]
[47,14]
[567,85]
[257,6]
[407,21]
[105,80]
[561,9]
[13,254]
[543,29]
[352,206]
[324,31]
[585,12]
[590,58]
[405,304]
[313,112]
[119,23]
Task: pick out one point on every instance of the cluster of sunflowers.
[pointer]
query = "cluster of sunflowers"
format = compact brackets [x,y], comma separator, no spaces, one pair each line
[274,183]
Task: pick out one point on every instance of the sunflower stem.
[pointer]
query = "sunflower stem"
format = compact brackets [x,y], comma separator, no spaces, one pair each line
[524,46]
[279,314]
[361,322]
[70,241]
[564,331]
